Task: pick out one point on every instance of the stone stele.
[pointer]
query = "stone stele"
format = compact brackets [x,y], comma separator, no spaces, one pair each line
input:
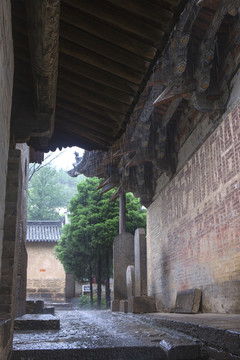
[188,301]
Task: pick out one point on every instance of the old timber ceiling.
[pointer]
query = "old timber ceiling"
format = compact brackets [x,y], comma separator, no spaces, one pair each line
[189,86]
[81,65]
[128,80]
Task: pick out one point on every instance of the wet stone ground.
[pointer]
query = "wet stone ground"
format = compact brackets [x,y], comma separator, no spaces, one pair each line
[98,330]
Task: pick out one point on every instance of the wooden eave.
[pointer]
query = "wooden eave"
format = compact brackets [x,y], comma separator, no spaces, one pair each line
[191,78]
[80,67]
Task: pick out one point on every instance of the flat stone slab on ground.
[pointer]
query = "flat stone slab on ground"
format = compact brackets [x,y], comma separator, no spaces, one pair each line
[102,335]
[37,322]
[106,335]
[180,349]
[188,301]
[215,331]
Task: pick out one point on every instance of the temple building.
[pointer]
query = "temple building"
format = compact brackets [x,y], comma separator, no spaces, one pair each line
[45,273]
[151,90]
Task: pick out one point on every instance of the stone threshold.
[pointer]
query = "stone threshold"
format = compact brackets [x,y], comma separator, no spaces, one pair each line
[37,322]
[117,353]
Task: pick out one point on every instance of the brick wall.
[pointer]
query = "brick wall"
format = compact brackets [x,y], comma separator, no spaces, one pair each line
[194,225]
[10,248]
[6,81]
[22,252]
[45,273]
[46,289]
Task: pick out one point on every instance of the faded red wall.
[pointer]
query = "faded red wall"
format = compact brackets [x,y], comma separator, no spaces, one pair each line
[194,225]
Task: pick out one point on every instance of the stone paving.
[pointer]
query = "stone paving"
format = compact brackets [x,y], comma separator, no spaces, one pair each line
[106,330]
[107,335]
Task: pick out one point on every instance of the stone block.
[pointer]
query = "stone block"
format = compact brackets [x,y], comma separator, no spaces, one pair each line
[180,349]
[188,301]
[115,305]
[38,307]
[123,255]
[123,307]
[140,263]
[49,310]
[69,286]
[5,334]
[37,322]
[141,304]
[130,281]
[30,307]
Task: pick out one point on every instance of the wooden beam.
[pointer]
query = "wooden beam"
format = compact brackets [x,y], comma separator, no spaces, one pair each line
[43,31]
[87,114]
[153,12]
[94,86]
[123,21]
[80,120]
[61,139]
[176,89]
[99,46]
[170,111]
[93,97]
[70,97]
[107,187]
[107,33]
[90,134]
[98,75]
[100,62]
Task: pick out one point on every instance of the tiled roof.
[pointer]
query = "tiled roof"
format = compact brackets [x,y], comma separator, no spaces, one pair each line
[43,231]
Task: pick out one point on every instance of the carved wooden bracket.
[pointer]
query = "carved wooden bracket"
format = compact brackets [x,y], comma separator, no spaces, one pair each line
[43,33]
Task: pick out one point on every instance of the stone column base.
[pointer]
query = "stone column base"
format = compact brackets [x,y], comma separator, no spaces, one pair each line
[141,304]
[123,306]
[115,305]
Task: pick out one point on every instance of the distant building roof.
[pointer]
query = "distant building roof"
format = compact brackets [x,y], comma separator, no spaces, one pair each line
[44,231]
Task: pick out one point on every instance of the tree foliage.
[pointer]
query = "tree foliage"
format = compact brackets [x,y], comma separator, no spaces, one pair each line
[49,193]
[94,223]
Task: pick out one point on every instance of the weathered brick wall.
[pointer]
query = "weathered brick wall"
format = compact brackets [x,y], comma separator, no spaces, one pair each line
[45,273]
[10,248]
[46,289]
[6,81]
[194,225]
[22,252]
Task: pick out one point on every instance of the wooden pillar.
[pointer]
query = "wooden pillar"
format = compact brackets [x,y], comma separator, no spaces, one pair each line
[122,213]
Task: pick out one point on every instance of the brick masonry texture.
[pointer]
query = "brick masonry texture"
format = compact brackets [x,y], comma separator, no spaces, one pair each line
[193,225]
[6,80]
[46,289]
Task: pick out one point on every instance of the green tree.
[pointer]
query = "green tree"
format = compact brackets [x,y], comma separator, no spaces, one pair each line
[86,243]
[48,195]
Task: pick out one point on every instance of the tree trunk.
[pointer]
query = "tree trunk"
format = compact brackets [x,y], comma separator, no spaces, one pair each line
[122,213]
[108,298]
[99,283]
[91,285]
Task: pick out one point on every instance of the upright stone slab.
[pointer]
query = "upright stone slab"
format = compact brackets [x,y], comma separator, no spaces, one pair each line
[123,255]
[29,307]
[130,281]
[140,263]
[123,306]
[69,286]
[188,301]
[38,307]
[115,305]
